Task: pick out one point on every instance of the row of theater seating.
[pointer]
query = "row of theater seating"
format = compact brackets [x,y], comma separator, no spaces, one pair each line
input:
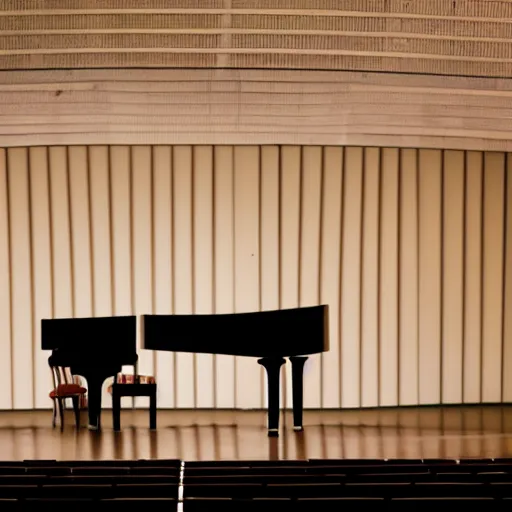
[249,485]
[29,485]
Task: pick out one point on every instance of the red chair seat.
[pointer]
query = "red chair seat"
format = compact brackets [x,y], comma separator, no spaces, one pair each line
[63,390]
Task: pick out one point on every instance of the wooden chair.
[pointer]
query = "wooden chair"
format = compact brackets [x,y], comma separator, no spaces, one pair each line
[64,387]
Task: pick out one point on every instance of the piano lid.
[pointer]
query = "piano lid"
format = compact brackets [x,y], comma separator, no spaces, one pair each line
[107,338]
[280,333]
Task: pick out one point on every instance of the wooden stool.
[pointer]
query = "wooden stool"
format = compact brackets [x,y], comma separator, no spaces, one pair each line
[133,389]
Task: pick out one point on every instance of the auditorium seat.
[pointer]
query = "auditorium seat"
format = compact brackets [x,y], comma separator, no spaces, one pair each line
[48,470]
[100,470]
[18,491]
[147,490]
[76,491]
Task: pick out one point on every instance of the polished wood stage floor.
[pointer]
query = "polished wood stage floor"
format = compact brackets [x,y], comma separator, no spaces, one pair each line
[457,432]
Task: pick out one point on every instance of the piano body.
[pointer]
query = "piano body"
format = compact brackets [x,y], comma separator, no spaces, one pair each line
[94,348]
[268,335]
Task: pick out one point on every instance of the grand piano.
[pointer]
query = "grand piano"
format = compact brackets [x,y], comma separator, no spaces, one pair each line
[95,348]
[268,335]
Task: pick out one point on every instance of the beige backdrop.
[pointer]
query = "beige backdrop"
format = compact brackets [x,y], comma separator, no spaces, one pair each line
[412,249]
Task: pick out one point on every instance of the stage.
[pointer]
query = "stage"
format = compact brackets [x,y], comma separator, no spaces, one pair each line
[408,433]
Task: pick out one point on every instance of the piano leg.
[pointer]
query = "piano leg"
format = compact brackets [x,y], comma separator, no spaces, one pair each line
[273,367]
[94,401]
[297,385]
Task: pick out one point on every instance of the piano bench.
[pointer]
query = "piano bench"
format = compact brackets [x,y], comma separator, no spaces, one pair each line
[133,389]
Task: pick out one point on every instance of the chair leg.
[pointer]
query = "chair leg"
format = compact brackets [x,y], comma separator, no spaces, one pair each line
[76,407]
[54,414]
[116,408]
[61,412]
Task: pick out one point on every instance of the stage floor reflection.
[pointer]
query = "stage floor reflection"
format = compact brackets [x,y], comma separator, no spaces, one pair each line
[457,432]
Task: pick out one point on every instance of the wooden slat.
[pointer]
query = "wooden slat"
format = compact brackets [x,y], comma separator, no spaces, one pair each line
[473,278]
[163,278]
[142,248]
[309,271]
[42,269]
[121,237]
[269,232]
[203,264]
[370,280]
[453,276]
[79,195]
[351,279]
[99,182]
[5,284]
[492,277]
[225,381]
[507,288]
[388,284]
[22,370]
[249,375]
[120,197]
[61,234]
[429,321]
[290,227]
[183,257]
[408,307]
[331,272]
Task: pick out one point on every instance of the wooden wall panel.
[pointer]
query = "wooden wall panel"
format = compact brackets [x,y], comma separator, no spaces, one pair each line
[332,221]
[121,235]
[290,228]
[473,278]
[142,245]
[203,263]
[162,264]
[61,234]
[6,298]
[99,190]
[370,280]
[22,370]
[269,231]
[507,294]
[224,254]
[42,274]
[351,278]
[183,267]
[453,274]
[309,256]
[429,271]
[408,276]
[410,249]
[249,376]
[388,278]
[493,278]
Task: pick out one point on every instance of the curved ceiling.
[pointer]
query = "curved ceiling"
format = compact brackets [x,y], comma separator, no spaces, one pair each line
[454,37]
[410,73]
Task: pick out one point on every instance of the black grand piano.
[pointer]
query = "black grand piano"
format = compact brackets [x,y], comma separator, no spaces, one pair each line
[95,348]
[269,335]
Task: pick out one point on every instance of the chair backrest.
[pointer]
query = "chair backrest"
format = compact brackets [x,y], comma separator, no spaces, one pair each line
[61,375]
